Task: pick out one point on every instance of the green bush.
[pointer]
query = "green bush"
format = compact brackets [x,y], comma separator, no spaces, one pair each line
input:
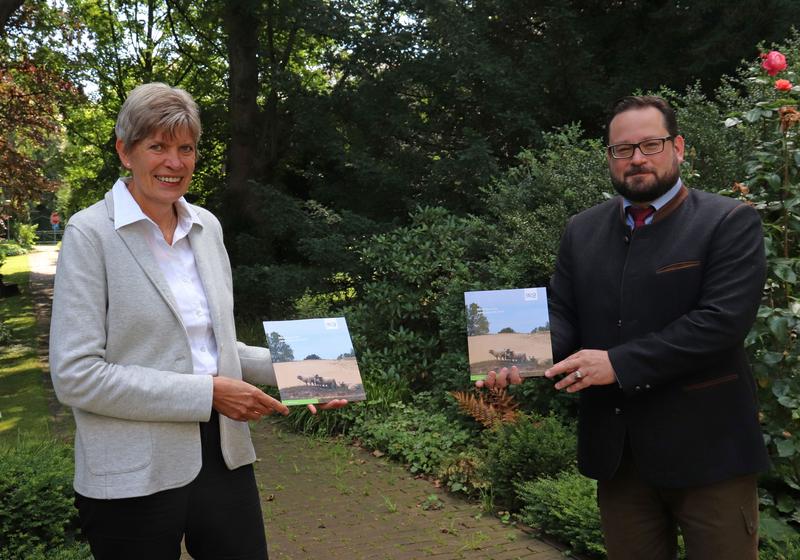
[564,507]
[418,437]
[11,249]
[409,319]
[532,447]
[26,235]
[464,472]
[36,498]
[75,551]
[770,549]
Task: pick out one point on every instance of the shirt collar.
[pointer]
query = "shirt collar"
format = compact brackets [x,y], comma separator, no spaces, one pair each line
[661,201]
[127,210]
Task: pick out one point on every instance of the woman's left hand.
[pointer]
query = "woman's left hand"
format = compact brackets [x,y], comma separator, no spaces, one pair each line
[330,405]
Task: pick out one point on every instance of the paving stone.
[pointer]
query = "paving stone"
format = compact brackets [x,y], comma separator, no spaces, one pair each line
[338,501]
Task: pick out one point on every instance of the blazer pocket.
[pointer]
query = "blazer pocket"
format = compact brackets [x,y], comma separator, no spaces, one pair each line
[711,382]
[115,446]
[678,266]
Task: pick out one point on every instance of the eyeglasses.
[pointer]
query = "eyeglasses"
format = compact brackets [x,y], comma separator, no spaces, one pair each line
[648,147]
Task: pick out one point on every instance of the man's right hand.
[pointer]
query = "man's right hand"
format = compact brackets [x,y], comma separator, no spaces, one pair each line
[241,401]
[502,379]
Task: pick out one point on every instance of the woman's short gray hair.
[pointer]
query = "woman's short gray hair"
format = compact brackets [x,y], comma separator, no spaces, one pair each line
[153,107]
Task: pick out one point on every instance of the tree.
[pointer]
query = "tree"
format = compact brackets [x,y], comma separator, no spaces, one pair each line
[279,350]
[7,8]
[312,357]
[477,323]
[507,330]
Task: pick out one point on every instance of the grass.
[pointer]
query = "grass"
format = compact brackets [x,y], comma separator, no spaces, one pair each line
[23,402]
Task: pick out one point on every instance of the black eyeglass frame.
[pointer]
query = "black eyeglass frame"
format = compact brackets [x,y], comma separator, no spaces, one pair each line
[664,139]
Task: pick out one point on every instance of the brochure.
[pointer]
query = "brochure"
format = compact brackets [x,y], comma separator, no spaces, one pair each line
[508,328]
[314,361]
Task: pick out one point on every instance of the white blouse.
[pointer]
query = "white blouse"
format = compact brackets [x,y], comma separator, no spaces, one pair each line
[180,271]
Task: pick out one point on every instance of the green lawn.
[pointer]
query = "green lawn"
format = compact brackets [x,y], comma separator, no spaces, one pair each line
[23,401]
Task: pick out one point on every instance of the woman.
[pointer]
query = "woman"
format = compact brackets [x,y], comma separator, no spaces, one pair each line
[143,348]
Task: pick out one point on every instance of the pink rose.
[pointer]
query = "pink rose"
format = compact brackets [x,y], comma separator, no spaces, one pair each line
[783,85]
[773,63]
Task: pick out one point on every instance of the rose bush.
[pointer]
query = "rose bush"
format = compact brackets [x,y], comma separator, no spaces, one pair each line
[772,185]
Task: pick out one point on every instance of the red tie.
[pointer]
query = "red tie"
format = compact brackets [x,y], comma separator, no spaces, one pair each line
[640,214]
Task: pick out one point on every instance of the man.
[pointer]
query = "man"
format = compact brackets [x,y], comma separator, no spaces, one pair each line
[653,294]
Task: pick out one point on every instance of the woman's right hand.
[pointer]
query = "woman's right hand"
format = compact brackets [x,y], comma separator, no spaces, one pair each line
[241,401]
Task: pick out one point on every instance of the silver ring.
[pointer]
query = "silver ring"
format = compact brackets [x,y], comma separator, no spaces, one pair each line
[578,374]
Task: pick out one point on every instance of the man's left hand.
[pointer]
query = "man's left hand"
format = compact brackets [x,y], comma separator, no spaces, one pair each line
[330,405]
[584,369]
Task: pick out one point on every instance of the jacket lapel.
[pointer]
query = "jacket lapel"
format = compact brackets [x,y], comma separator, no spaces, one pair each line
[206,268]
[133,237]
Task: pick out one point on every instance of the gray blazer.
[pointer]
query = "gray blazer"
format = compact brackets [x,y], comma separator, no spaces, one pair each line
[120,357]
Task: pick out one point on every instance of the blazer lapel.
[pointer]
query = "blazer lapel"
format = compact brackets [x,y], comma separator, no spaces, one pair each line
[206,268]
[133,237]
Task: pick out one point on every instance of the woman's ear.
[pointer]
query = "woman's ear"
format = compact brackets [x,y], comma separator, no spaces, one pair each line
[120,146]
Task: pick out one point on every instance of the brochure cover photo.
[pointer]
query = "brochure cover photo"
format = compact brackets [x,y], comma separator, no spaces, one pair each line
[508,328]
[314,361]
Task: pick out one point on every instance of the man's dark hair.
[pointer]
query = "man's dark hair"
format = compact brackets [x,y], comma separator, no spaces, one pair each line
[642,102]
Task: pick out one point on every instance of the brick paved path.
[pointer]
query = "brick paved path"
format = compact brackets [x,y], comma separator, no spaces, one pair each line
[324,499]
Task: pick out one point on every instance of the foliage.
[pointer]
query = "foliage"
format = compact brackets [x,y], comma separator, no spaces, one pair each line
[418,437]
[464,472]
[771,184]
[564,506]
[530,448]
[76,551]
[770,549]
[533,200]
[28,131]
[409,317]
[26,235]
[36,498]
[11,249]
[488,407]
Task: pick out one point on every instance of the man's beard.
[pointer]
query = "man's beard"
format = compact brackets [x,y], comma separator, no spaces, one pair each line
[650,193]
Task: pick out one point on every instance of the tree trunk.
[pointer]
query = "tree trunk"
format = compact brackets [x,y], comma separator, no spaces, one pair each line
[241,27]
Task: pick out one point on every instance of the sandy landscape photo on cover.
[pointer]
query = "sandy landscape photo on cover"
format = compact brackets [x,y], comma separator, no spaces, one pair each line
[314,360]
[508,327]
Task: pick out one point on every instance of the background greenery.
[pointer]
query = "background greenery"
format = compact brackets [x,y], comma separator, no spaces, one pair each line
[378,158]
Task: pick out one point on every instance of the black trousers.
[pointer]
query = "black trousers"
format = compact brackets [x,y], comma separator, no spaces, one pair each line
[218,514]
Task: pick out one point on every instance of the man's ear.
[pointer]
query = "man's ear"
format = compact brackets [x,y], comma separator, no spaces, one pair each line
[679,144]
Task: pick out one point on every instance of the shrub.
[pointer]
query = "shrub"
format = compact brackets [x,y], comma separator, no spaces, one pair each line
[770,549]
[409,320]
[532,447]
[565,507]
[418,437]
[464,472]
[11,249]
[76,551]
[27,236]
[771,184]
[36,498]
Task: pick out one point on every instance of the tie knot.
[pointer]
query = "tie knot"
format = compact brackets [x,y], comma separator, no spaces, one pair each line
[640,214]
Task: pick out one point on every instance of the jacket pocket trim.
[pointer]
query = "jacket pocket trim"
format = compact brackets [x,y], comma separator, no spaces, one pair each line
[711,382]
[678,266]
